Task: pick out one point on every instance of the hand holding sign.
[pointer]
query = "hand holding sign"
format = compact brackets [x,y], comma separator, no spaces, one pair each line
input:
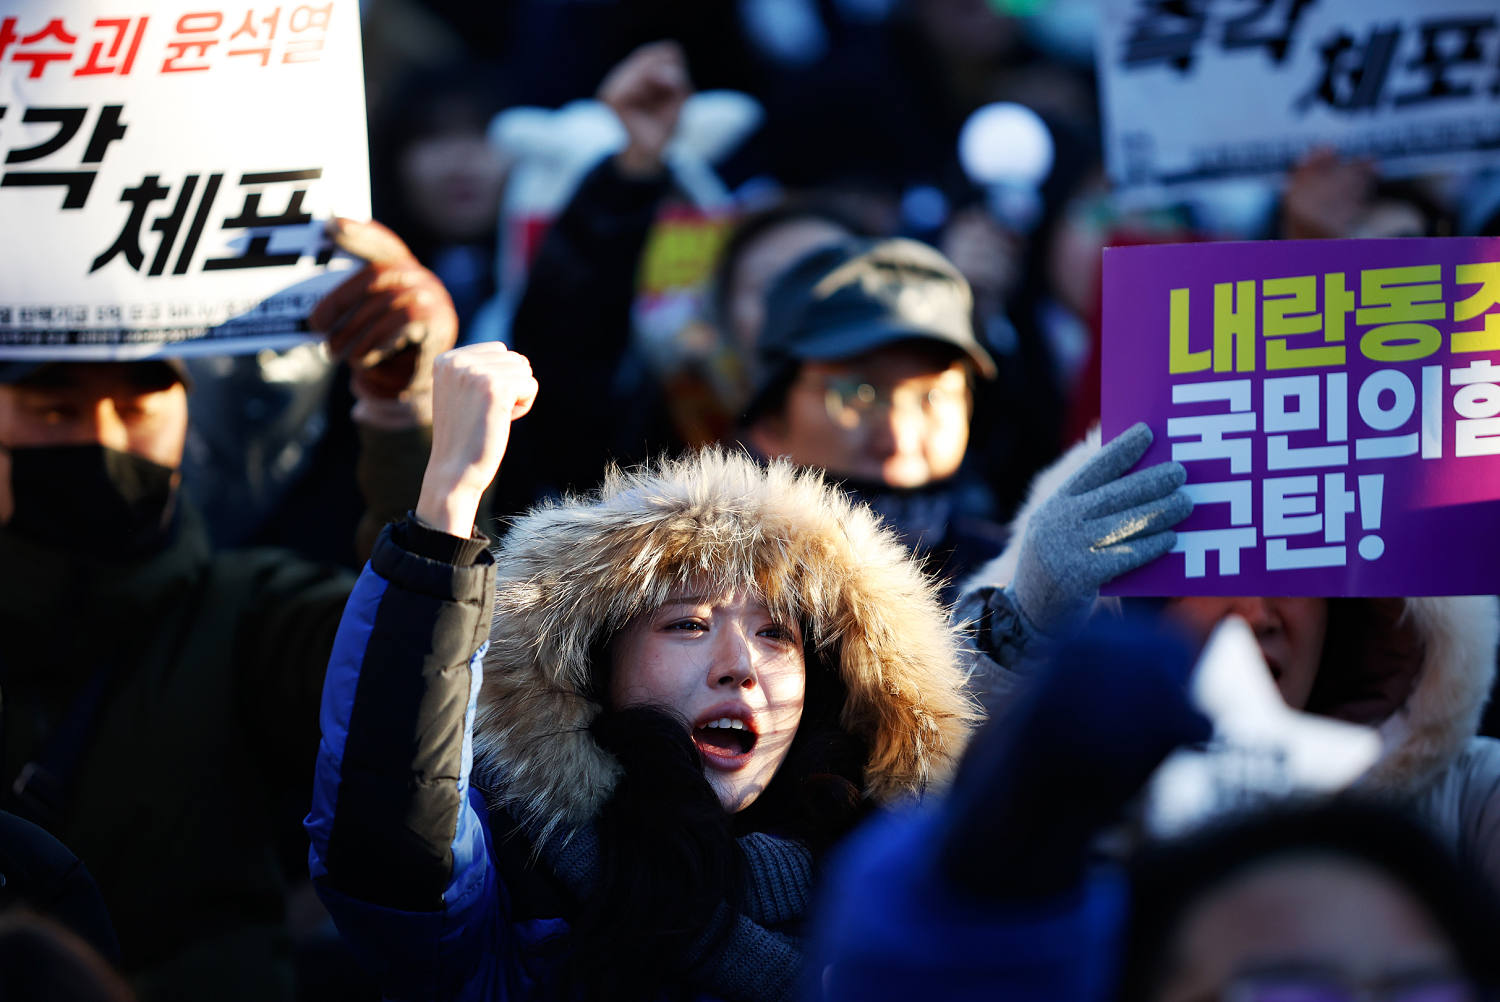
[390,319]
[1101,523]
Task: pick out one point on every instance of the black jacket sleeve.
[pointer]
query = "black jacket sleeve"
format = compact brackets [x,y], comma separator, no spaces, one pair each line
[396,709]
[598,400]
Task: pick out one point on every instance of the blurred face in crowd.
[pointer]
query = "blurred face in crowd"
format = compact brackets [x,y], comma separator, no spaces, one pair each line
[730,668]
[1289,629]
[452,183]
[1311,926]
[898,415]
[760,262]
[135,408]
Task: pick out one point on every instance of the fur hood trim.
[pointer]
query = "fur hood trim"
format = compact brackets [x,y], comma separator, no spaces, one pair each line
[572,573]
[1457,636]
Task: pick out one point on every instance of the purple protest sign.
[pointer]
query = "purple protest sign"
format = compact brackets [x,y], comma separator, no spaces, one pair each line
[1336,404]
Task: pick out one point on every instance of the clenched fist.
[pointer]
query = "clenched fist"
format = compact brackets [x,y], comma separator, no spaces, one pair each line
[478,390]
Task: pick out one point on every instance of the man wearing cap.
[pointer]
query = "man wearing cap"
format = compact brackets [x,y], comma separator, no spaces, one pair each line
[159,699]
[865,369]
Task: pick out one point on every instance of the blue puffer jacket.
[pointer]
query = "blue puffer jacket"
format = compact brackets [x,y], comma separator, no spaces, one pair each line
[429,884]
[402,846]
[402,850]
[426,914]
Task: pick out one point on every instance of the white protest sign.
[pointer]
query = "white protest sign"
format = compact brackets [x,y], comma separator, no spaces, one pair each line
[166,170]
[1215,89]
[1261,748]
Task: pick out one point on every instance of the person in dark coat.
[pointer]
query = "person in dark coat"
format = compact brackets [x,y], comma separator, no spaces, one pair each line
[574,318]
[160,696]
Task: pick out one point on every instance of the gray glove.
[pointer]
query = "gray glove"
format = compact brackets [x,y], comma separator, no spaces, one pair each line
[1100,524]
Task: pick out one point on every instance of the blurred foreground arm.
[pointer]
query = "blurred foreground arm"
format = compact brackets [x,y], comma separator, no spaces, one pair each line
[999,883]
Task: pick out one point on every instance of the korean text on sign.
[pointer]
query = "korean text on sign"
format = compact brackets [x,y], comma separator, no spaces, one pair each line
[181,161]
[1336,405]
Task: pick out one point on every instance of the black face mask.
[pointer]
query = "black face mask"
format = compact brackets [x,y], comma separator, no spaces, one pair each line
[90,498]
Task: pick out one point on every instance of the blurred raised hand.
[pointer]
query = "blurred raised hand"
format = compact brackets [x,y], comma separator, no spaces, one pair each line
[647,91]
[1325,195]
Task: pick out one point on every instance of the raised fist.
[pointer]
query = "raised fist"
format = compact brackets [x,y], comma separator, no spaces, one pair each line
[647,91]
[478,390]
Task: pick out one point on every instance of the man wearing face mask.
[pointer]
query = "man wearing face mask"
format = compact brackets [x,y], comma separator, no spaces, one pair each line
[91,451]
[160,699]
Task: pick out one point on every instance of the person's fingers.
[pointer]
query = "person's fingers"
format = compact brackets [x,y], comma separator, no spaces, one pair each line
[480,353]
[342,298]
[1132,489]
[398,308]
[634,69]
[348,337]
[1111,461]
[1122,558]
[369,240]
[385,337]
[501,375]
[353,300]
[484,363]
[670,75]
[1142,520]
[392,377]
[662,52]
[526,398]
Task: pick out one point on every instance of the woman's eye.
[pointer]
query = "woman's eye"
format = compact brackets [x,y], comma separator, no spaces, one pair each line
[694,625]
[778,631]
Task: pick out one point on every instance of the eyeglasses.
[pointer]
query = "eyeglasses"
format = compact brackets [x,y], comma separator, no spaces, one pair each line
[1425,988]
[852,402]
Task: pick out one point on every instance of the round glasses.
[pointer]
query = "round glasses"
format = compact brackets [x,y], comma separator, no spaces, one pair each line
[853,402]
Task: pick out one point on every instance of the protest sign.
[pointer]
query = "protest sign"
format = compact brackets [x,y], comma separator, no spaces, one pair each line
[1336,404]
[1216,89]
[167,171]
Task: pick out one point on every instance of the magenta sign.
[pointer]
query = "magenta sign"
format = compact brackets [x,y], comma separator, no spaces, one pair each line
[1336,404]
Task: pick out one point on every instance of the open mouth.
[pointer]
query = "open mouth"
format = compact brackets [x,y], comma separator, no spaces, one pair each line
[724,739]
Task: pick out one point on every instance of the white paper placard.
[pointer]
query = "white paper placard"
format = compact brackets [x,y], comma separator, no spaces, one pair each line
[167,170]
[1210,90]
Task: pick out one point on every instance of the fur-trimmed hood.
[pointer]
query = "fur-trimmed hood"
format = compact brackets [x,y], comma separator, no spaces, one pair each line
[572,573]
[1438,652]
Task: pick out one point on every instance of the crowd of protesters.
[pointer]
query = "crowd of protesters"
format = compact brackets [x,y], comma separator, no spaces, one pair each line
[732,534]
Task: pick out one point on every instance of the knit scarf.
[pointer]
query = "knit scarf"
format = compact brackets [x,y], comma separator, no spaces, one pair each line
[753,962]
